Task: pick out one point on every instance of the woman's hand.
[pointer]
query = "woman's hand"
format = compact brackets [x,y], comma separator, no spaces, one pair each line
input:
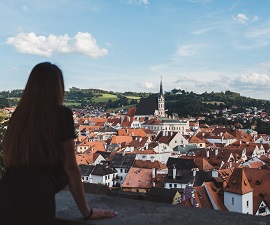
[101,214]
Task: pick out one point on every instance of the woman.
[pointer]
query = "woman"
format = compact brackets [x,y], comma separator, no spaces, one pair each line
[40,135]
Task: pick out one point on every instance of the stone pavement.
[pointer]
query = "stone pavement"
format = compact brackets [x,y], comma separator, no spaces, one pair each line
[137,212]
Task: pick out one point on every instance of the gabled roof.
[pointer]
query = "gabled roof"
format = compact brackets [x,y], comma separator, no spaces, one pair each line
[215,193]
[107,129]
[122,161]
[202,164]
[181,163]
[165,138]
[138,178]
[131,111]
[238,183]
[186,203]
[85,158]
[103,154]
[182,176]
[148,164]
[259,180]
[86,170]
[161,194]
[195,139]
[121,139]
[147,106]
[201,177]
[102,170]
[202,198]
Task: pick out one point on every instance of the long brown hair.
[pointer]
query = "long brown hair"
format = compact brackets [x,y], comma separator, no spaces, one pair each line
[32,137]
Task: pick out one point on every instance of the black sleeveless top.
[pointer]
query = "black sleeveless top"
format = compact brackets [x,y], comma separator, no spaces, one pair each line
[27,194]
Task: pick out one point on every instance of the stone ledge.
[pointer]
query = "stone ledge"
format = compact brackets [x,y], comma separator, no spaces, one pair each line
[134,212]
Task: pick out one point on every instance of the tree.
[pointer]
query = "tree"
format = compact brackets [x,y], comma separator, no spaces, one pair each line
[2,133]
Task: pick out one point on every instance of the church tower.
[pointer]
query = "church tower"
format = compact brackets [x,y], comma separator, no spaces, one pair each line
[161,101]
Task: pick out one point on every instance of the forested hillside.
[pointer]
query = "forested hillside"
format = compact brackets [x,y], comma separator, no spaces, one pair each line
[176,101]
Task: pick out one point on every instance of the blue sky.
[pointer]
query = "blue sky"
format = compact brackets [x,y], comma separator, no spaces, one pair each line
[127,45]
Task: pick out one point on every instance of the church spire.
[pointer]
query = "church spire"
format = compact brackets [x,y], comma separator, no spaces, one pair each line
[161,101]
[161,88]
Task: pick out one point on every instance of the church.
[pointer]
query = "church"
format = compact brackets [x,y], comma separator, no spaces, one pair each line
[151,107]
[152,111]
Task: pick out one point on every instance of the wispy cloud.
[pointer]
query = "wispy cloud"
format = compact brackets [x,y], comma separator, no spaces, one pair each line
[250,46]
[25,8]
[188,50]
[136,2]
[266,65]
[244,19]
[82,43]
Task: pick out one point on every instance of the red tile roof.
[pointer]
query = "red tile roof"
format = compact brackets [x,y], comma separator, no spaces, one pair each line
[238,182]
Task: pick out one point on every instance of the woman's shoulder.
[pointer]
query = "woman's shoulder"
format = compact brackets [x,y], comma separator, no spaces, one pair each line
[66,110]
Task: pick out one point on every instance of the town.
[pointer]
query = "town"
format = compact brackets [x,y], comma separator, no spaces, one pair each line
[145,153]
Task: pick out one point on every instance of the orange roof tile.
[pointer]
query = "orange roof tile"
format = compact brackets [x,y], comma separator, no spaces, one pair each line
[148,164]
[202,197]
[214,192]
[138,178]
[238,182]
[121,139]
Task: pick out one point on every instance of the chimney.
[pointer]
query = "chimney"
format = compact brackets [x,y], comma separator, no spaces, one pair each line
[153,173]
[152,158]
[194,172]
[146,145]
[207,153]
[216,151]
[174,172]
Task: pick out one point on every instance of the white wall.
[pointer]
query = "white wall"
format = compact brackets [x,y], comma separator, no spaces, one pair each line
[174,185]
[238,203]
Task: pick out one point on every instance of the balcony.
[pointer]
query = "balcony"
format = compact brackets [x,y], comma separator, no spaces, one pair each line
[134,212]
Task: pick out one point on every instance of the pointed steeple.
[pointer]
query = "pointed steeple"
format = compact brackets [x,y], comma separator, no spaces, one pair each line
[161,88]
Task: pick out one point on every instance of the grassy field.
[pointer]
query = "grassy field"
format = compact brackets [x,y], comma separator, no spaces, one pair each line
[133,97]
[105,98]
[72,103]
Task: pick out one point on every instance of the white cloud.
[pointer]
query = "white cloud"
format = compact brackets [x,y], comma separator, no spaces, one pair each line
[188,50]
[244,19]
[266,65]
[252,81]
[82,43]
[241,18]
[136,2]
[255,19]
[25,8]
[147,85]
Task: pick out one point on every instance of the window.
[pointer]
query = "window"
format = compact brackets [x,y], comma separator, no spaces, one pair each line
[170,185]
[175,185]
[121,170]
[232,200]
[261,210]
[247,203]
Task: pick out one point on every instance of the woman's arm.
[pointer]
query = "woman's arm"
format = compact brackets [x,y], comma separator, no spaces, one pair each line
[75,184]
[74,177]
